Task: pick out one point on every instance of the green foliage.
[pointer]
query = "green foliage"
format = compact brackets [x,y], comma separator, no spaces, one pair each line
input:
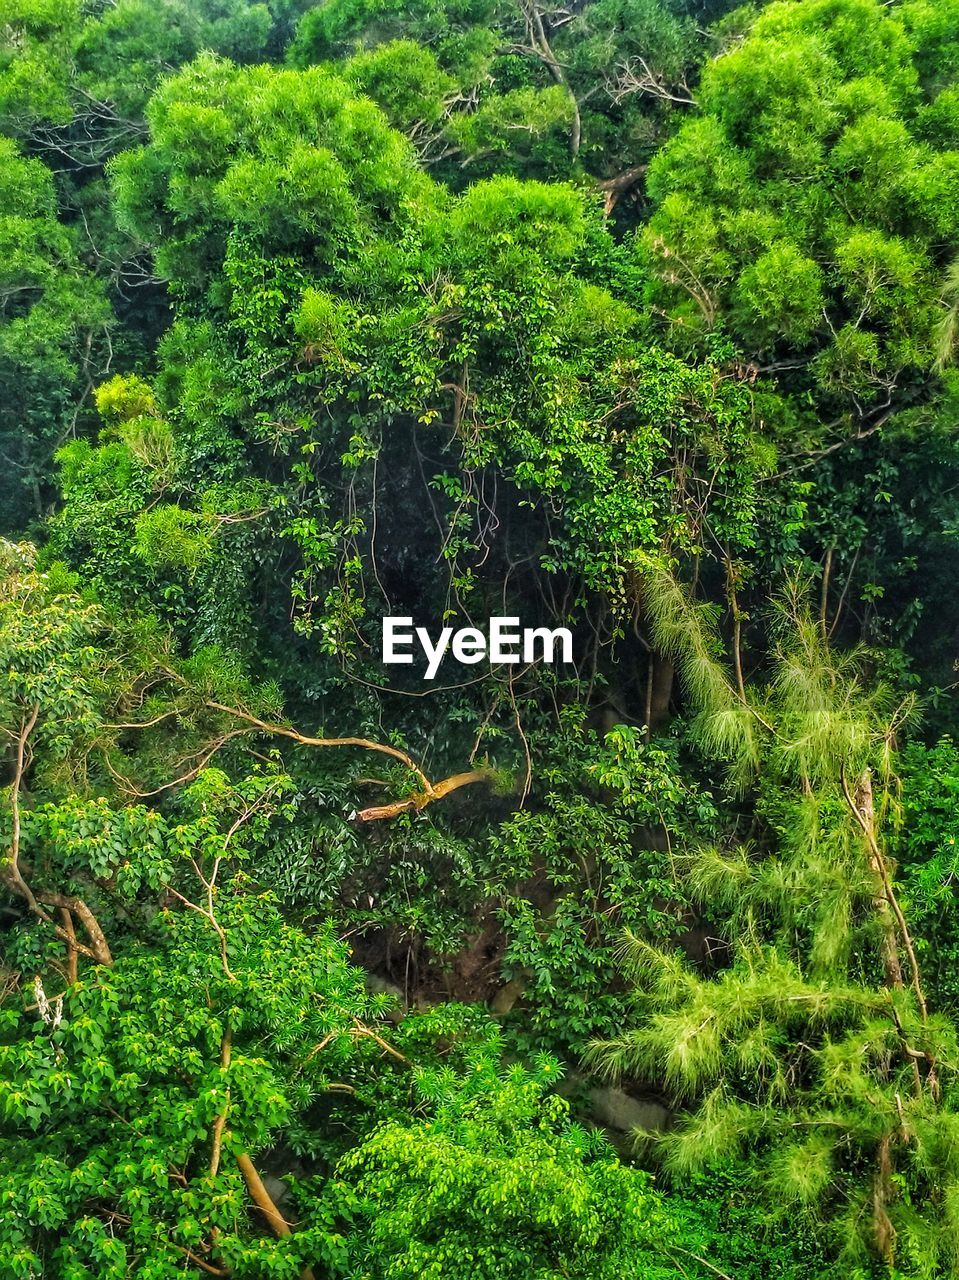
[497,1183]
[236,140]
[53,321]
[836,1086]
[806,208]
[619,318]
[49,640]
[741,1239]
[523,90]
[37,41]
[403,78]
[111,1093]
[927,846]
[572,872]
[401,309]
[129,47]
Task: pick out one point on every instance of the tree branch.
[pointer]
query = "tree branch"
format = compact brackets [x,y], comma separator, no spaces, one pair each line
[366,744]
[220,1122]
[539,42]
[414,803]
[264,1202]
[428,793]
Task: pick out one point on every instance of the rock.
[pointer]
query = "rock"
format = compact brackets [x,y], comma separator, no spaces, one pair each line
[276,1188]
[507,996]
[379,986]
[617,1109]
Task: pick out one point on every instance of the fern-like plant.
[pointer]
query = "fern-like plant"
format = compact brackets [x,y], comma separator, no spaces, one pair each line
[814,1051]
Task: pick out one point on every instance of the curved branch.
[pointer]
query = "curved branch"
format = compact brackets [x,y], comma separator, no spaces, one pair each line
[428,793]
[99,948]
[539,42]
[421,799]
[264,1202]
[12,871]
[613,188]
[367,744]
[220,1122]
[98,951]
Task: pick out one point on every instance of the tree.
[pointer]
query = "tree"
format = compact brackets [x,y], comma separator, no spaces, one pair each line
[320,313]
[524,89]
[812,1046]
[498,1184]
[808,208]
[54,335]
[162,1022]
[451,344]
[135,1102]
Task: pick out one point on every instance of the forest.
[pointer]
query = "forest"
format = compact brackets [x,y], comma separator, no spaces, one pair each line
[635,321]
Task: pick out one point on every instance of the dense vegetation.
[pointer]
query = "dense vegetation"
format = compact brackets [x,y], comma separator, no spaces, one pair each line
[637,317]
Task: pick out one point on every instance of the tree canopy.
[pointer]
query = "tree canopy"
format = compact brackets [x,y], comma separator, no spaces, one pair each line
[633,318]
